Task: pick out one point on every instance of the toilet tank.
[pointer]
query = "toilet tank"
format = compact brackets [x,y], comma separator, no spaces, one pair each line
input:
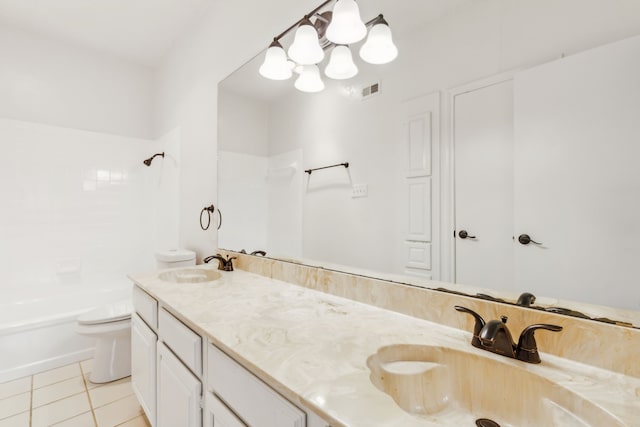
[175,258]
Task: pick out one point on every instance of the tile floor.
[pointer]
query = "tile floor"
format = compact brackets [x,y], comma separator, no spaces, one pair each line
[64,397]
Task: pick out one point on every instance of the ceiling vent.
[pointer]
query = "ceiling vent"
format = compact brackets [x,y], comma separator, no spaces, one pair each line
[369,91]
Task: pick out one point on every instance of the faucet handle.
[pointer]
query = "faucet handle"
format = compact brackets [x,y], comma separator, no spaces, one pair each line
[475,341]
[527,349]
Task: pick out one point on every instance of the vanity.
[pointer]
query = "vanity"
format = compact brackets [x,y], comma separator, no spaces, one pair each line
[280,344]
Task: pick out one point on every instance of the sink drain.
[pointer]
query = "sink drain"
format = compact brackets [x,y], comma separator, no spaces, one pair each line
[485,422]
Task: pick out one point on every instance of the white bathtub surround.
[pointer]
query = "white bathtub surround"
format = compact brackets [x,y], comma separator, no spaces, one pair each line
[65,397]
[70,200]
[313,347]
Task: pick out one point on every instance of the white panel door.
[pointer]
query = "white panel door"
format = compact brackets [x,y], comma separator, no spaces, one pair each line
[179,392]
[418,209]
[577,176]
[419,228]
[483,152]
[143,366]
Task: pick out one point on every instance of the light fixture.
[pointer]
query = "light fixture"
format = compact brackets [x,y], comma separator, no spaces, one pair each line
[309,79]
[306,49]
[337,29]
[276,66]
[379,48]
[346,26]
[341,64]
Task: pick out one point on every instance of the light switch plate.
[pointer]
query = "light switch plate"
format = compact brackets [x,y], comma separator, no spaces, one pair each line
[359,190]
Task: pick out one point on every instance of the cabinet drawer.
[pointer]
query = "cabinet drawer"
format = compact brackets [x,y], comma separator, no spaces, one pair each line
[185,343]
[255,402]
[146,307]
[218,415]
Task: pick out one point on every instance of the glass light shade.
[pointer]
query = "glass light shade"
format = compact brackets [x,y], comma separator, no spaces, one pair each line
[341,64]
[346,26]
[309,80]
[379,47]
[306,49]
[275,65]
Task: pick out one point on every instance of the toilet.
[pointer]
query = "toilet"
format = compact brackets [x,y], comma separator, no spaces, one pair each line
[110,325]
[175,258]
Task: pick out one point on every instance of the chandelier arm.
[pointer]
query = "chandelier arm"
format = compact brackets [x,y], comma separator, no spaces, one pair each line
[285,32]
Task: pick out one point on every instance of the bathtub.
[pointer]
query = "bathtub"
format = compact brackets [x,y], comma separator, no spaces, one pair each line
[37,323]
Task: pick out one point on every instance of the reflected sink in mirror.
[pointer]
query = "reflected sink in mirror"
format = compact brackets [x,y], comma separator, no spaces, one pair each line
[189,275]
[440,383]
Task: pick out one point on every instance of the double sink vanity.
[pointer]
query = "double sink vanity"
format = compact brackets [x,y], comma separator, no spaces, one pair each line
[277,344]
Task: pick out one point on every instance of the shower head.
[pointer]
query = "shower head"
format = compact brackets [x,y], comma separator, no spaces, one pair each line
[150,159]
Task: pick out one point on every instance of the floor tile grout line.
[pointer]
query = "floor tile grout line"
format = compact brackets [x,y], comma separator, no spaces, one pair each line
[12,415]
[2,418]
[86,389]
[126,421]
[14,393]
[54,383]
[113,401]
[59,399]
[67,419]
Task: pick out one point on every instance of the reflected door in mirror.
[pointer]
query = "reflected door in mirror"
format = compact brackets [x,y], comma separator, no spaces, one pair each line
[483,129]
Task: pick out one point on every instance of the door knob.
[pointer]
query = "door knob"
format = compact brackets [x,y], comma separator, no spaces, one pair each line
[525,239]
[465,235]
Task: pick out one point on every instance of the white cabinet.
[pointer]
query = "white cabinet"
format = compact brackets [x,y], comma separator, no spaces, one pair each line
[179,392]
[218,415]
[168,361]
[143,366]
[255,402]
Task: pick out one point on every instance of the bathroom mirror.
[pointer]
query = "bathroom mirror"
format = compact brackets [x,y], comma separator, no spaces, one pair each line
[469,72]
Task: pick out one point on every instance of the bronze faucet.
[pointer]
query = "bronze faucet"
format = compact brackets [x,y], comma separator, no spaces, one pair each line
[223,264]
[494,336]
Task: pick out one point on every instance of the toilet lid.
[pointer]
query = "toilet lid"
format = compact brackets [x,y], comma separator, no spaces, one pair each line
[107,313]
[175,255]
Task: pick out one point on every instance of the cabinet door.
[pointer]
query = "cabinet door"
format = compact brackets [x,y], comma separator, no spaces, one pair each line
[218,415]
[179,392]
[143,366]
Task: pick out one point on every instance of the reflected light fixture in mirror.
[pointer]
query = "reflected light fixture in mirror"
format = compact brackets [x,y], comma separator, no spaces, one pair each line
[379,47]
[338,28]
[306,49]
[341,64]
[346,26]
[276,66]
[309,80]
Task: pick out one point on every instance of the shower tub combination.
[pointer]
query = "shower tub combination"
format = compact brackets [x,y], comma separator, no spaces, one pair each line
[38,324]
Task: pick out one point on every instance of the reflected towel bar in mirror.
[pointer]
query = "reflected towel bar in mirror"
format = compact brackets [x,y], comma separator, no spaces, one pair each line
[345,164]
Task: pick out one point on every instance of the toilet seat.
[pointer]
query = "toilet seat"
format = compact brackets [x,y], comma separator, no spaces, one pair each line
[110,313]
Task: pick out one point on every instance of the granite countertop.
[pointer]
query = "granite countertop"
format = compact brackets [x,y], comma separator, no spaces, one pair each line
[313,348]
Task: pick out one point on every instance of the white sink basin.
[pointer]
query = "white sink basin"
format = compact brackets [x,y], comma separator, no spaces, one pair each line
[434,382]
[189,275]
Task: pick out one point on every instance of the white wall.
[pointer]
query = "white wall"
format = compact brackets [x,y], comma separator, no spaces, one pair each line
[52,82]
[243,124]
